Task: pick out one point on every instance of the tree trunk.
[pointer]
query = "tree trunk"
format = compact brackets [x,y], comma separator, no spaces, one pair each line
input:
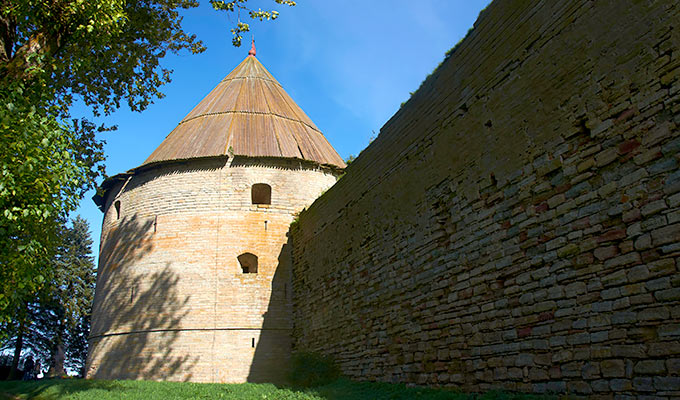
[17,67]
[57,364]
[7,37]
[56,369]
[13,373]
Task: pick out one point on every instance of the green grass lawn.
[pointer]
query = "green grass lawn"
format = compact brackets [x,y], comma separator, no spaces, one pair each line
[340,389]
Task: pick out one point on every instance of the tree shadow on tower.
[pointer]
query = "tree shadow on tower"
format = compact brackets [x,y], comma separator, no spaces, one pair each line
[138,310]
[273,348]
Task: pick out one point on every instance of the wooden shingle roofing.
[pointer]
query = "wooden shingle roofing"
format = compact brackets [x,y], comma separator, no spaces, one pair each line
[248,114]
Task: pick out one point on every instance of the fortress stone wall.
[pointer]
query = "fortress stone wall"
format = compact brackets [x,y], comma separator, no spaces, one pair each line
[172,301]
[517,223]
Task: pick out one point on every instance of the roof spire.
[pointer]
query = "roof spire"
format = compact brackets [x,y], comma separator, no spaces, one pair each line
[251,52]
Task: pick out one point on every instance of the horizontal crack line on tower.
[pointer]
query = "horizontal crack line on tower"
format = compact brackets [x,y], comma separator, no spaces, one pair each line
[186,330]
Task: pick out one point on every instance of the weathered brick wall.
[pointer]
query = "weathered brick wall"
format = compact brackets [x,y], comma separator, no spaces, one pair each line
[517,223]
[171,300]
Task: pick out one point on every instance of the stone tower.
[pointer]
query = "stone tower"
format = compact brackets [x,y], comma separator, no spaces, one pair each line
[194,264]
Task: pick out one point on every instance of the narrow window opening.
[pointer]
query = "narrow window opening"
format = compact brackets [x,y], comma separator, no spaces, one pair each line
[253,343]
[155,223]
[265,225]
[261,193]
[248,262]
[117,206]
[132,294]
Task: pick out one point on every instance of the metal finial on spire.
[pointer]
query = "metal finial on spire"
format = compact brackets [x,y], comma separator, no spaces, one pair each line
[251,52]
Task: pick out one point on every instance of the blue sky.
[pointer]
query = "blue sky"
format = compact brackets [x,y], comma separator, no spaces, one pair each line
[348,64]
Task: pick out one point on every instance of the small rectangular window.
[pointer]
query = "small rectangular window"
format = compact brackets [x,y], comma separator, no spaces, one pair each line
[261,193]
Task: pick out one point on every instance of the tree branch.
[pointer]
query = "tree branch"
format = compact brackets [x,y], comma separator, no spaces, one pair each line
[20,66]
[8,36]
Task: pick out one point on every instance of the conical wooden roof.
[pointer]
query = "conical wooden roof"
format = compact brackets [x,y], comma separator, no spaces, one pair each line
[249,114]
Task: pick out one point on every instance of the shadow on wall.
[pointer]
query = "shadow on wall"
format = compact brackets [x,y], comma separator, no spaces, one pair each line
[137,311]
[272,352]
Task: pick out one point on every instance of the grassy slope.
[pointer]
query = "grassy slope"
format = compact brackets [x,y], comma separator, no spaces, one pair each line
[341,389]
